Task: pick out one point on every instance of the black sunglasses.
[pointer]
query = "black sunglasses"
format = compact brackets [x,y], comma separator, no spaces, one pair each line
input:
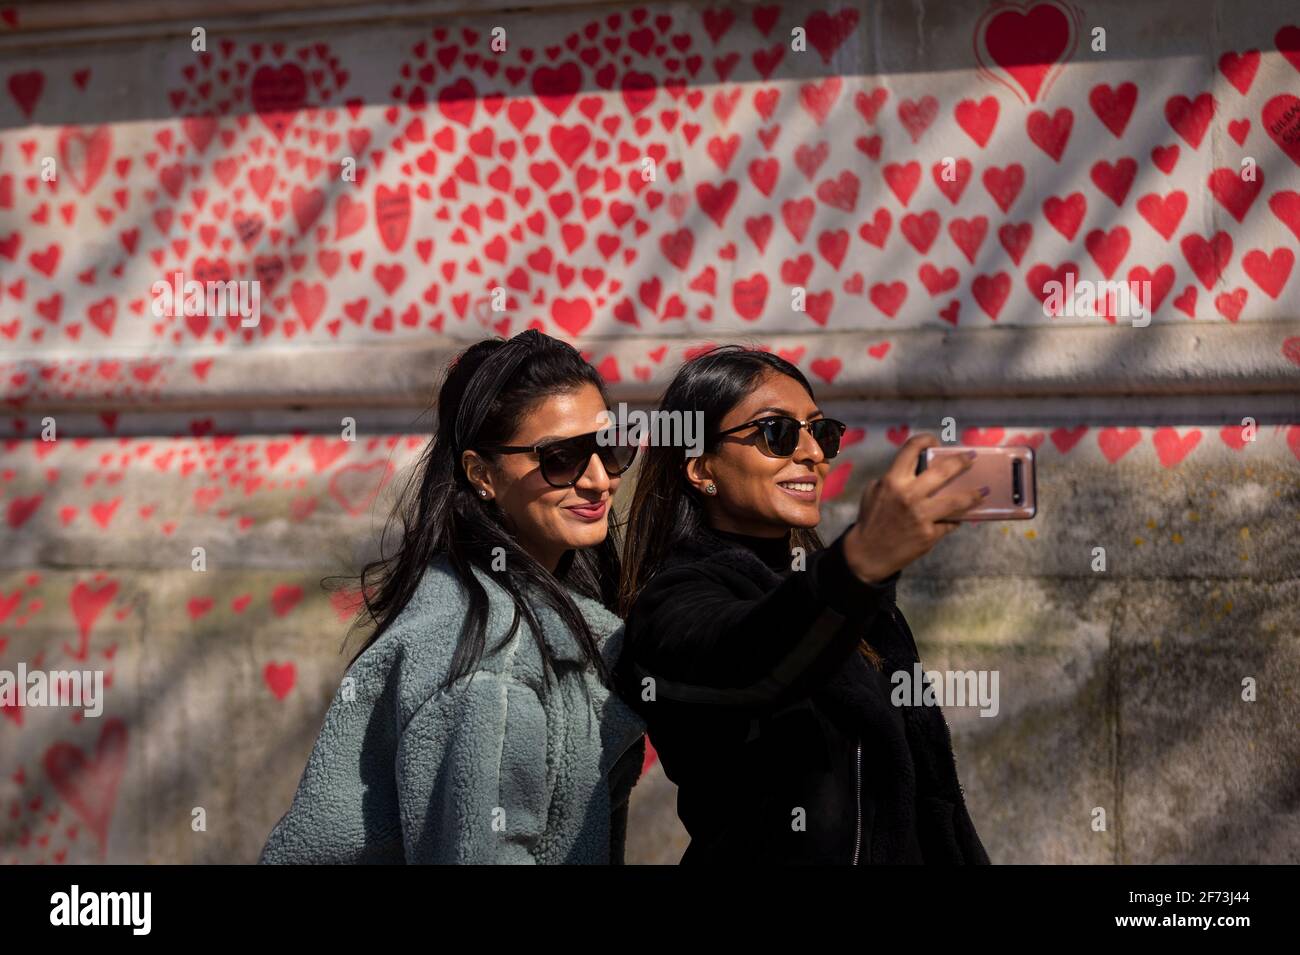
[781,434]
[564,462]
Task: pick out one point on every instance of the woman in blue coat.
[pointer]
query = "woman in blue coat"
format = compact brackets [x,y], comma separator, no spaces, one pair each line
[477,725]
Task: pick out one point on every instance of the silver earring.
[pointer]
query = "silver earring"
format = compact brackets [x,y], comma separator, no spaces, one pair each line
[482,492]
[710,488]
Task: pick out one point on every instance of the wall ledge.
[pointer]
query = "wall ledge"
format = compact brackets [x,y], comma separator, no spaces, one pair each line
[1167,360]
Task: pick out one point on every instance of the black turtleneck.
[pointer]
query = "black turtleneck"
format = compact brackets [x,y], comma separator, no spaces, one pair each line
[772,551]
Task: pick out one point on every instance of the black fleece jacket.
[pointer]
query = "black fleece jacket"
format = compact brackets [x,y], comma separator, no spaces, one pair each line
[780,736]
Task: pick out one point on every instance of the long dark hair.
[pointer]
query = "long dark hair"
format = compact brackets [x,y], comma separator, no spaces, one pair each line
[488,390]
[666,509]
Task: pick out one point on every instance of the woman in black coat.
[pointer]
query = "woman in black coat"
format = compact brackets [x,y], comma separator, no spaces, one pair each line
[761,660]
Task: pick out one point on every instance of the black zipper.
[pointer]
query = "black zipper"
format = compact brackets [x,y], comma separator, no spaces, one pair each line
[857,781]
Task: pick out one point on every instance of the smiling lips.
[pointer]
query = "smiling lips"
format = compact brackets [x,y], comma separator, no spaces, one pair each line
[803,490]
[589,510]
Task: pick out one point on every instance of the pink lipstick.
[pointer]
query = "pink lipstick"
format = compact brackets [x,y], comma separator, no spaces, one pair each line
[592,511]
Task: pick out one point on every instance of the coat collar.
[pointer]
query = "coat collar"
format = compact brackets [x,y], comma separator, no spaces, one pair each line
[605,627]
[559,640]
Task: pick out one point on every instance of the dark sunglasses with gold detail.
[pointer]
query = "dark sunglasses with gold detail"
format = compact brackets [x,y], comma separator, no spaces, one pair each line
[564,461]
[780,434]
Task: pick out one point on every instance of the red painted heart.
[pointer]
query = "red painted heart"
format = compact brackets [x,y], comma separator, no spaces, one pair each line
[1028,44]
[89,784]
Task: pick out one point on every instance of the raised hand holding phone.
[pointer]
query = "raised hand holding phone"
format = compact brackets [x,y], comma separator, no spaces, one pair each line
[1008,472]
[904,514]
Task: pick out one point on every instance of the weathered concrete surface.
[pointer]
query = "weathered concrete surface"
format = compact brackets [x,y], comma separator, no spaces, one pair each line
[1119,695]
[209,727]
[1207,777]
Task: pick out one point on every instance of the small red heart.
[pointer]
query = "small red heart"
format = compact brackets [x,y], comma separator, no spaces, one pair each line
[1291,349]
[1186,303]
[826,368]
[1066,438]
[280,678]
[1117,442]
[1172,448]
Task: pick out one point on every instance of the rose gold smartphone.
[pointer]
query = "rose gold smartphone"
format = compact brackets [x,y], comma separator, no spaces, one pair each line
[1008,472]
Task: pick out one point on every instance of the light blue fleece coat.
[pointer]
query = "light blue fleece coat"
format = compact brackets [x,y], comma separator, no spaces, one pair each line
[490,770]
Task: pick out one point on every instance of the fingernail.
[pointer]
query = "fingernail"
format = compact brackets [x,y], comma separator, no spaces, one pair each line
[970,455]
[984,491]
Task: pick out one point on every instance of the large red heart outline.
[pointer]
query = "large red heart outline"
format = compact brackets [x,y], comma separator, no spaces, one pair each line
[278,94]
[1024,45]
[84,153]
[89,784]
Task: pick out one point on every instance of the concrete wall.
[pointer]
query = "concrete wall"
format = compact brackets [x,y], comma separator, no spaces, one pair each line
[774,169]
